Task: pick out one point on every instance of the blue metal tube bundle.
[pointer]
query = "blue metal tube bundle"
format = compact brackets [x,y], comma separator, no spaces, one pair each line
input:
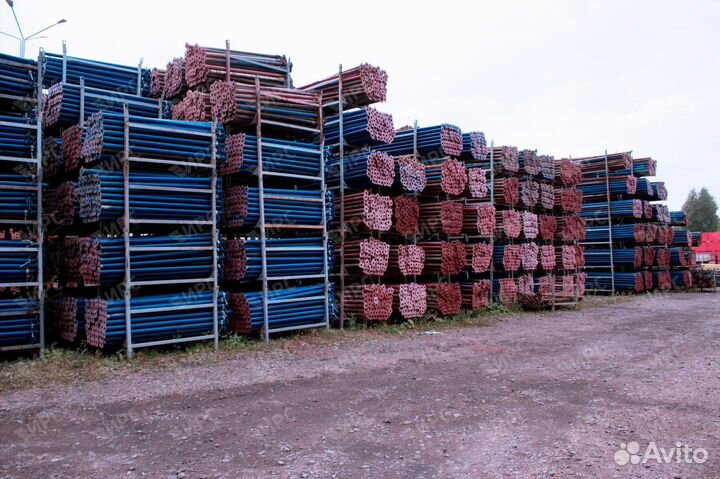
[17,76]
[152,138]
[154,318]
[19,321]
[62,105]
[18,197]
[618,186]
[282,207]
[618,209]
[152,258]
[284,257]
[279,156]
[101,75]
[16,140]
[602,233]
[625,257]
[364,127]
[247,308]
[438,141]
[623,281]
[153,196]
[18,261]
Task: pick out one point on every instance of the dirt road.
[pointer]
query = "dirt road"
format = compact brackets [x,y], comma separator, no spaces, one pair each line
[536,395]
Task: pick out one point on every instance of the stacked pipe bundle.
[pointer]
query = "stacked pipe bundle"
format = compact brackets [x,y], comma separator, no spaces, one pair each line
[364,168]
[285,257]
[363,127]
[21,205]
[96,74]
[195,106]
[246,315]
[154,318]
[432,142]
[287,207]
[175,84]
[361,86]
[627,236]
[63,103]
[206,65]
[151,138]
[17,77]
[234,103]
[157,83]
[279,156]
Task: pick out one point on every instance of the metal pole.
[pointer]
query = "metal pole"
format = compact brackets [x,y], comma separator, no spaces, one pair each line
[64,62]
[261,194]
[40,225]
[139,78]
[213,217]
[492,202]
[126,232]
[82,102]
[227,60]
[609,220]
[341,108]
[323,187]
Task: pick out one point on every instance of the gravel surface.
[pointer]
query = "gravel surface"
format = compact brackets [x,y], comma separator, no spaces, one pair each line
[535,396]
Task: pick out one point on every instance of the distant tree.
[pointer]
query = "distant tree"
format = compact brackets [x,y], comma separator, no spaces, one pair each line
[701,209]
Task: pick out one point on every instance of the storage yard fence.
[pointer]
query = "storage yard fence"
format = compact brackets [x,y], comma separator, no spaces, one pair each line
[148,207]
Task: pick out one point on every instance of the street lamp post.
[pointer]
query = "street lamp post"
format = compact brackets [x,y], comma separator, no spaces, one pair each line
[22,38]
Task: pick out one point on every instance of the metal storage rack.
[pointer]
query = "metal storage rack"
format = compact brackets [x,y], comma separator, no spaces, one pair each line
[35,169]
[322,228]
[128,221]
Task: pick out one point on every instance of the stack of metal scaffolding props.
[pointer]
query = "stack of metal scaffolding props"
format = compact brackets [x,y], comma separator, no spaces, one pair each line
[63,104]
[508,257]
[18,261]
[432,142]
[476,294]
[482,257]
[593,188]
[478,183]
[506,160]
[17,77]
[284,208]
[246,309]
[530,162]
[571,228]
[102,75]
[682,279]
[285,257]
[67,313]
[53,164]
[547,196]
[508,224]
[154,317]
[530,194]
[66,206]
[412,173]
[157,83]
[195,106]
[445,217]
[361,86]
[506,290]
[622,257]
[363,127]
[444,298]
[547,167]
[663,279]
[368,256]
[507,191]
[660,191]
[682,237]
[632,281]
[175,84]
[444,257]
[661,214]
[695,238]
[363,168]
[152,258]
[368,210]
[547,227]
[17,138]
[618,164]
[150,138]
[407,215]
[621,233]
[618,209]
[406,260]
[368,302]
[18,197]
[474,146]
[278,156]
[158,197]
[285,108]
[205,65]
[568,172]
[410,300]
[645,189]
[20,322]
[446,175]
[569,200]
[681,257]
[642,167]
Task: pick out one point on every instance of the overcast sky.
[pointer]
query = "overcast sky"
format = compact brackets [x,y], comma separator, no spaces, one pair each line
[568,78]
